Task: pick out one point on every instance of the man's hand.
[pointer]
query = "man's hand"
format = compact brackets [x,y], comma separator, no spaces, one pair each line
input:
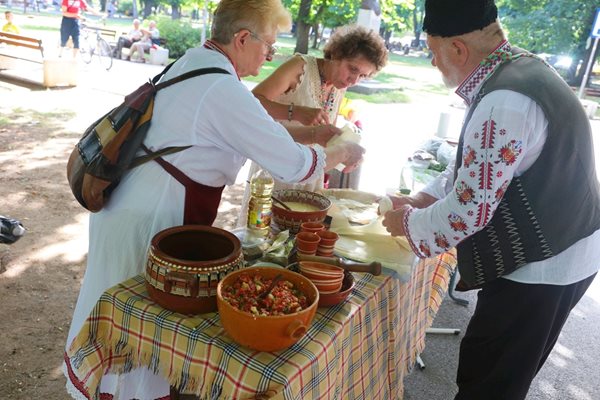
[394,220]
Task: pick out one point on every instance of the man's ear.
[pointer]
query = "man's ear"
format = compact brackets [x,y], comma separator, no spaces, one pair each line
[241,37]
[460,52]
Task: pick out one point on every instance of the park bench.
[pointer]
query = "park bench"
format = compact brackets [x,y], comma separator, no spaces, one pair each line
[158,55]
[22,41]
[110,35]
[22,59]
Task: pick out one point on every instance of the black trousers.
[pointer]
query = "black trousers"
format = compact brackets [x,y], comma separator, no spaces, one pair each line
[510,335]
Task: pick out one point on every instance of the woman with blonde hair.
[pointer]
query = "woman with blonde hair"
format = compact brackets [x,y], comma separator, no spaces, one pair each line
[224,124]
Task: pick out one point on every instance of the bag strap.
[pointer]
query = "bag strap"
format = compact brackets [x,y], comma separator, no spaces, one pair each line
[182,77]
[151,155]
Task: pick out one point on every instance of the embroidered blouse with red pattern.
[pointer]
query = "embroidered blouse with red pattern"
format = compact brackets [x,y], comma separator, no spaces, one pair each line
[503,139]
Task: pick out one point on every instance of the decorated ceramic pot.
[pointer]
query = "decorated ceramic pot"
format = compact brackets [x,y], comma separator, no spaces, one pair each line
[304,206]
[185,264]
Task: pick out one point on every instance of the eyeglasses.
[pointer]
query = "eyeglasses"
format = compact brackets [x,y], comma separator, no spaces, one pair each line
[271,49]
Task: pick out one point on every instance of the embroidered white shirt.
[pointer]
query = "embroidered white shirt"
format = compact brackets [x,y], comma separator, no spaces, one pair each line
[503,139]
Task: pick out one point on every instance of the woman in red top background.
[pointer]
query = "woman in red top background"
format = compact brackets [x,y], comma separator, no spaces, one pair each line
[69,26]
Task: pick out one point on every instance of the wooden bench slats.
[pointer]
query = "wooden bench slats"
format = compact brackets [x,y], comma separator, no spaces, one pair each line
[22,41]
[20,37]
[17,43]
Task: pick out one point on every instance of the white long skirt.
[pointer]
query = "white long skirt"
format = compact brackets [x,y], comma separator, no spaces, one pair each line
[147,201]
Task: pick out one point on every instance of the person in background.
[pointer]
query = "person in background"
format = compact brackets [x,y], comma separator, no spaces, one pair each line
[111,8]
[307,90]
[9,26]
[126,41]
[69,26]
[150,36]
[521,204]
[212,113]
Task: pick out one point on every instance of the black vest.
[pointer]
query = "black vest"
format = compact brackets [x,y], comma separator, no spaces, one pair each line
[556,202]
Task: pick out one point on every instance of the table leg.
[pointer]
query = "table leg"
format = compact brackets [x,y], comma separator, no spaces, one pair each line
[451,286]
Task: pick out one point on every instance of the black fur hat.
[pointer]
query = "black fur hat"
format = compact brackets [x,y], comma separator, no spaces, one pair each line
[455,17]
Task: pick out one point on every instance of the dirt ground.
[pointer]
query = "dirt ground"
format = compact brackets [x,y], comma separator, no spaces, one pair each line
[40,274]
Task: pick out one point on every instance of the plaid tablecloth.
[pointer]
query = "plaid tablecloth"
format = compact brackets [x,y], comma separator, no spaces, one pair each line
[360,349]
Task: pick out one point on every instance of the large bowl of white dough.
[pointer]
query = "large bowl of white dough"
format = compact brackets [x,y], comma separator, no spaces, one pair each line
[304,206]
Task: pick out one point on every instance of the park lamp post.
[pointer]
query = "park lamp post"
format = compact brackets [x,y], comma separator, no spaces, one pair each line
[595,35]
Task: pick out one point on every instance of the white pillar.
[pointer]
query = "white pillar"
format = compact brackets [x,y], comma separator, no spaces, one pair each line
[368,19]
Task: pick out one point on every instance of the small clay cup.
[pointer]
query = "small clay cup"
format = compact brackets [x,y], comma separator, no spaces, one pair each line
[328,238]
[307,242]
[313,227]
[325,251]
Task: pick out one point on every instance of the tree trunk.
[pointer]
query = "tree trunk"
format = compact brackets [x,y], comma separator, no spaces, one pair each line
[387,35]
[175,11]
[147,9]
[302,27]
[316,35]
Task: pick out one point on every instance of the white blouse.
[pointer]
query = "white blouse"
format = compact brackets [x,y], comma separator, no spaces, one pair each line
[223,134]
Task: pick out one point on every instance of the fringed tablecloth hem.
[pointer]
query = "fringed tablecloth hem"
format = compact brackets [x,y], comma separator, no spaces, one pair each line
[125,361]
[71,386]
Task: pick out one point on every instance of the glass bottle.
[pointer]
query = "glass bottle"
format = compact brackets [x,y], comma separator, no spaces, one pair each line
[259,206]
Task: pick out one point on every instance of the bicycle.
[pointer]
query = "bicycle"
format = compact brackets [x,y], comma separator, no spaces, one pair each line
[88,47]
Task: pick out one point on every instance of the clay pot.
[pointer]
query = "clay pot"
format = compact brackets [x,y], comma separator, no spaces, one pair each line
[326,300]
[307,242]
[185,264]
[327,278]
[313,227]
[267,333]
[290,219]
[328,238]
[321,270]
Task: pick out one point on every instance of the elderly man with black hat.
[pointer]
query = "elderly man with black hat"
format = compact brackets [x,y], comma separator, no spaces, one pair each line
[522,204]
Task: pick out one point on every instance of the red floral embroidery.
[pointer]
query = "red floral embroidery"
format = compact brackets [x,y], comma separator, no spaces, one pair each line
[469,156]
[457,223]
[501,190]
[441,241]
[502,131]
[510,152]
[424,248]
[464,193]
